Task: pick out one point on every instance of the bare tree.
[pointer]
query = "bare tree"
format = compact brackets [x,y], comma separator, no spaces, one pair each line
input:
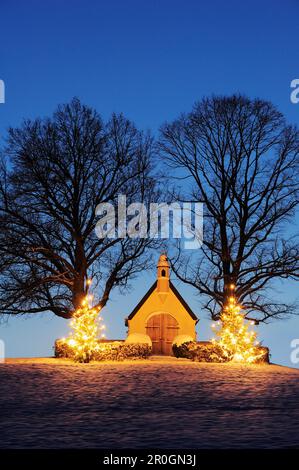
[56,172]
[240,158]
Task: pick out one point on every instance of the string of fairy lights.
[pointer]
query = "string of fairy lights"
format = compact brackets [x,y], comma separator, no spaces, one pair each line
[237,341]
[87,330]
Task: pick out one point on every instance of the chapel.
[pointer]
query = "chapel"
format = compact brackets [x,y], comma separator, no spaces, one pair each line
[162,314]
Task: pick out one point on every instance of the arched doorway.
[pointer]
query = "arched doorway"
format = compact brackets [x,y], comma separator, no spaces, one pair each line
[162,329]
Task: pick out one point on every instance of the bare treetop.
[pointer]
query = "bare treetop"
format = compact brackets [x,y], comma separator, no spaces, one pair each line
[240,158]
[56,172]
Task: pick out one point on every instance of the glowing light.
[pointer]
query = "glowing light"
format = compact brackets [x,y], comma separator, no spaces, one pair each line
[237,342]
[84,340]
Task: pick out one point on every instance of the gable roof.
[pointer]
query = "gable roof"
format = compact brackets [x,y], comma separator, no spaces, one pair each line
[150,291]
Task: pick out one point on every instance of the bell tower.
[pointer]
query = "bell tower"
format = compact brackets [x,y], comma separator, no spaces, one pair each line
[163,274]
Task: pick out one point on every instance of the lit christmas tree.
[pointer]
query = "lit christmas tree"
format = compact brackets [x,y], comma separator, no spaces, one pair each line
[87,330]
[234,336]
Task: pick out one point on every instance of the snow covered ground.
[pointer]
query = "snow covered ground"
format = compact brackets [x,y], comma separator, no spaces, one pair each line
[160,403]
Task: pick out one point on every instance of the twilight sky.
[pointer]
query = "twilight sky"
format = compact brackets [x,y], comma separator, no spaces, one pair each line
[151,60]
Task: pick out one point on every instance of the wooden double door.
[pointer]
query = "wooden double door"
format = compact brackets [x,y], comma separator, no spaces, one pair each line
[162,329]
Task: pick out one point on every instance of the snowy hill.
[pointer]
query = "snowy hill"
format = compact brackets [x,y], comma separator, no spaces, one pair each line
[160,403]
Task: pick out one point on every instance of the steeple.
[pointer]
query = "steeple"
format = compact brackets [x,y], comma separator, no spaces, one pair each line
[163,274]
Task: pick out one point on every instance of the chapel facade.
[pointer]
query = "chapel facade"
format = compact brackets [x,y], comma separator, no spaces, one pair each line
[162,315]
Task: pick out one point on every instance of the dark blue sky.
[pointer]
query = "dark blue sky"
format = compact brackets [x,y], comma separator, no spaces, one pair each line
[150,60]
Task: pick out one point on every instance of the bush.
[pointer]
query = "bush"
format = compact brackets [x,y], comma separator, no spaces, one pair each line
[183,350]
[122,351]
[209,352]
[181,339]
[201,352]
[107,351]
[265,355]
